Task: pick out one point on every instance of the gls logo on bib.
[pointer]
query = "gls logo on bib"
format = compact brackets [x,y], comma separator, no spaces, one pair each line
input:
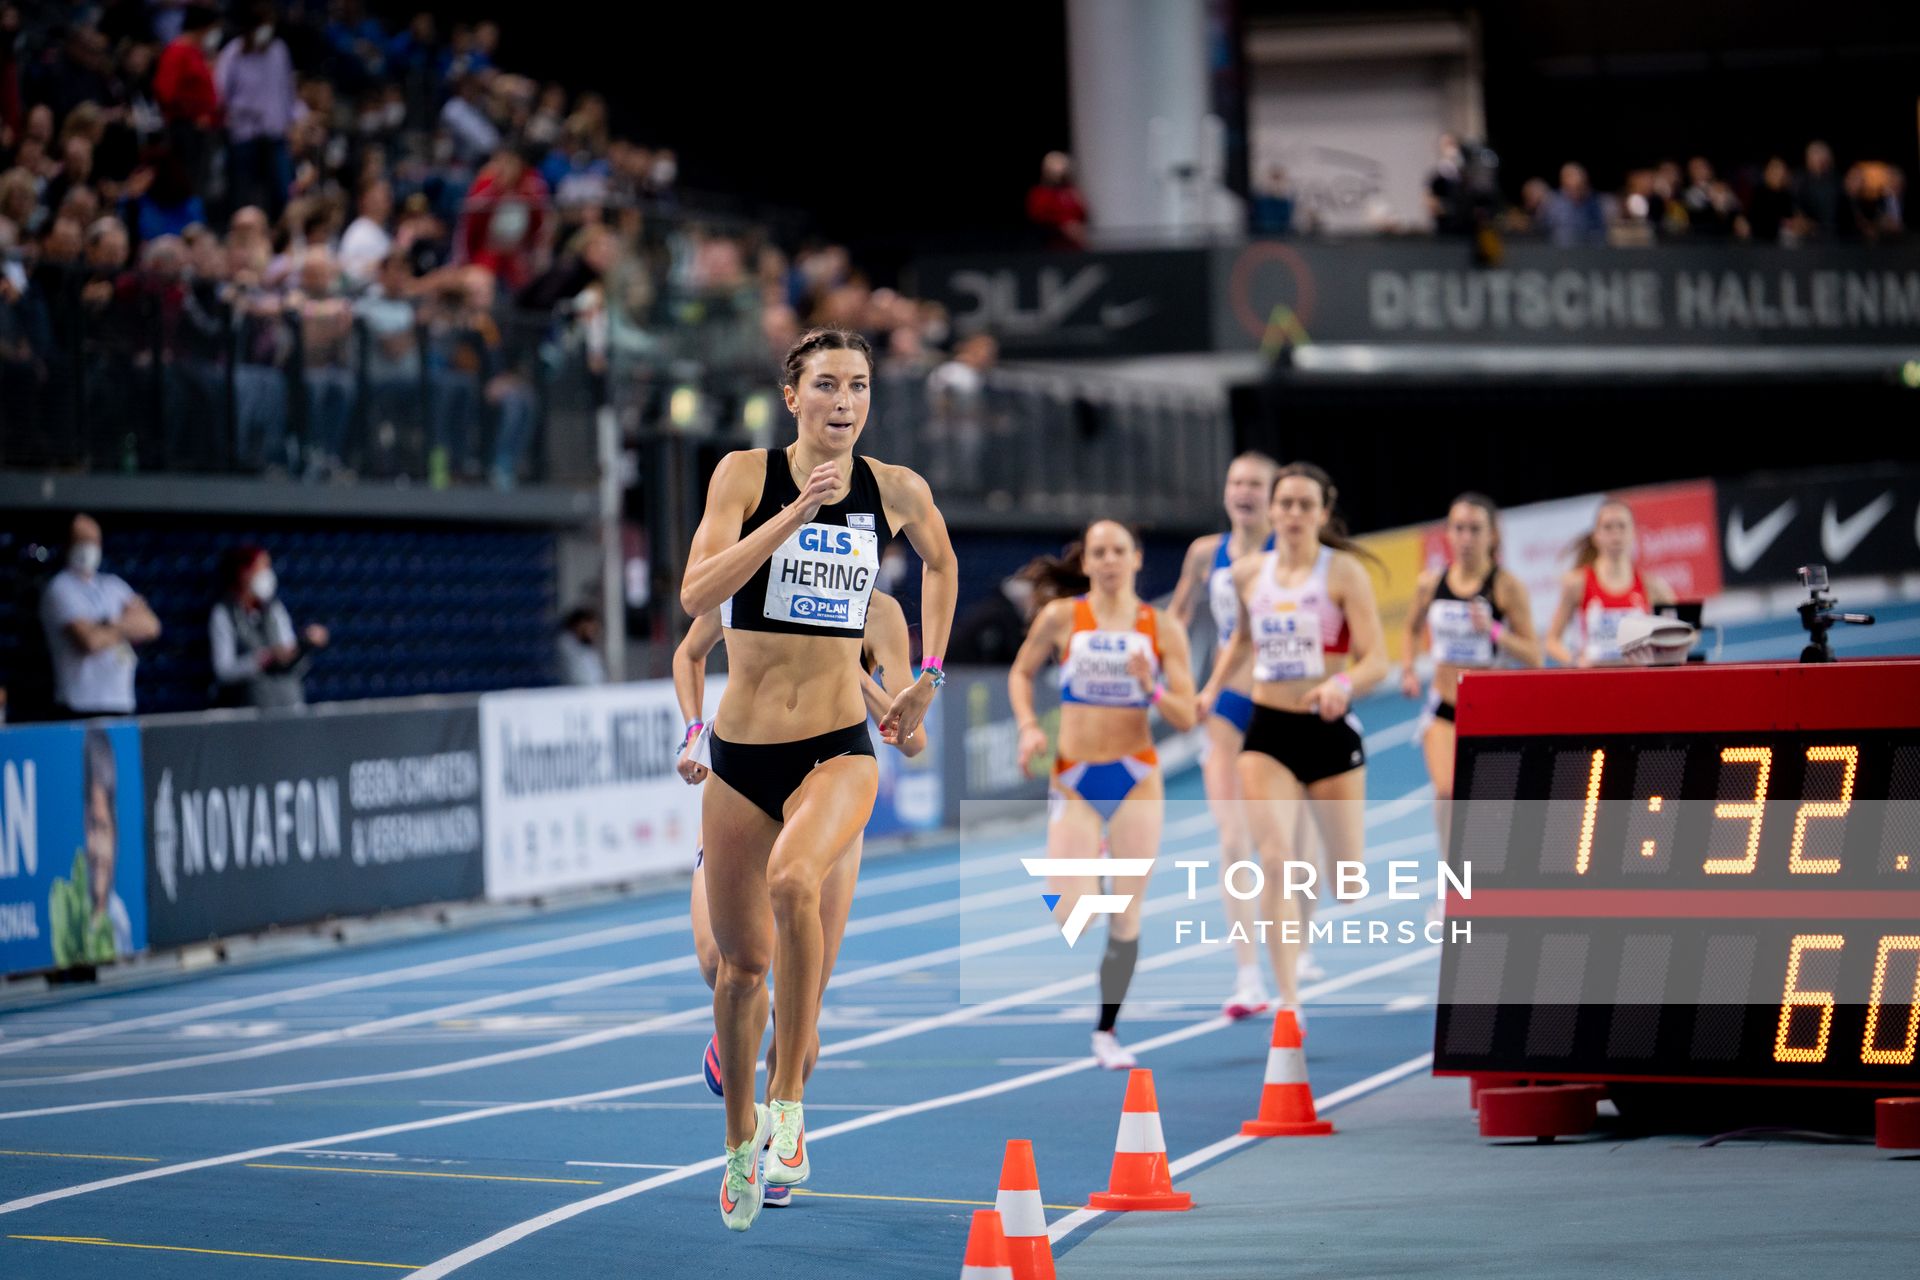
[822,575]
[823,538]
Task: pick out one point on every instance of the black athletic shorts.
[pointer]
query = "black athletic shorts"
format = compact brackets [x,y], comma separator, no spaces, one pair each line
[769,772]
[1312,749]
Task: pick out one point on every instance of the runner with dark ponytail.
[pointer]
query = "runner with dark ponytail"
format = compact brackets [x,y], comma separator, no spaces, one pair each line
[786,552]
[1471,614]
[1308,619]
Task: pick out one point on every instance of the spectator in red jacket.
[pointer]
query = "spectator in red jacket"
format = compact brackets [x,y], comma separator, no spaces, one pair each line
[183,88]
[1055,206]
[507,219]
[183,82]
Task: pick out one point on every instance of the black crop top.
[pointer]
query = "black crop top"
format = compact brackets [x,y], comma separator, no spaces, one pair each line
[1444,591]
[818,581]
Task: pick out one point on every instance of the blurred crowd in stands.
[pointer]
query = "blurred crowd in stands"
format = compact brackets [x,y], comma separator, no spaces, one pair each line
[1772,203]
[1667,202]
[275,240]
[287,239]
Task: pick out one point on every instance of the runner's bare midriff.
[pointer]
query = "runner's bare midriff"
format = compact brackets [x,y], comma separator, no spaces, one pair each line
[782,688]
[1293,695]
[1099,734]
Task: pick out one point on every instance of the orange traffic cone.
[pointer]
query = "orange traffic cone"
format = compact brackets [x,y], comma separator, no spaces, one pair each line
[1022,1215]
[1286,1101]
[1140,1177]
[986,1249]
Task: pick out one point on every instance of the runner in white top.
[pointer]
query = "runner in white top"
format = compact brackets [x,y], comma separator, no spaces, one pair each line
[1208,572]
[1308,619]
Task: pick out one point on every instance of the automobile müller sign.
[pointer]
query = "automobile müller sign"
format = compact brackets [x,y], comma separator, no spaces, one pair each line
[581,789]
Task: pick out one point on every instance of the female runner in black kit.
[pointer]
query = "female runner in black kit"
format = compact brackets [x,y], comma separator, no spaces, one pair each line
[787,551]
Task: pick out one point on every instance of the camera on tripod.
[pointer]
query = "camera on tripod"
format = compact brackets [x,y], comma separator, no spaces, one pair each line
[1818,617]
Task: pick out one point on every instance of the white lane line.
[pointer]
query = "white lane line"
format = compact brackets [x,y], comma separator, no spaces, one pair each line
[1394,735]
[520,1231]
[858,927]
[360,1030]
[359,982]
[547,991]
[357,1155]
[892,882]
[1181,828]
[610,1164]
[684,1017]
[919,1026]
[1185,1164]
[661,1022]
[877,886]
[1399,807]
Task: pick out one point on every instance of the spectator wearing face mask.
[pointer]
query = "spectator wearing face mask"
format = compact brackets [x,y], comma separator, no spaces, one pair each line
[258,658]
[93,620]
[1055,206]
[506,224]
[255,78]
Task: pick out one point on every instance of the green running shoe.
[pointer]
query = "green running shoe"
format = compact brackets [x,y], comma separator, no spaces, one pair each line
[741,1188]
[787,1163]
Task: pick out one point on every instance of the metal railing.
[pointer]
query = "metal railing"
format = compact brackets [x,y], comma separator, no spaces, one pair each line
[1056,445]
[153,374]
[149,374]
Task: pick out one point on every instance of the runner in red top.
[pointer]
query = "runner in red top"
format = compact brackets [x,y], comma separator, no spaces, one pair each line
[1604,587]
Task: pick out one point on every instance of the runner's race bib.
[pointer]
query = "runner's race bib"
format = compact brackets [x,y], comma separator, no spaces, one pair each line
[1096,668]
[1287,646]
[822,576]
[1603,632]
[1453,640]
[1225,603]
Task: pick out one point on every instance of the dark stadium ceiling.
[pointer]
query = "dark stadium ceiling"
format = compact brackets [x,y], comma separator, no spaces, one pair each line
[1731,29]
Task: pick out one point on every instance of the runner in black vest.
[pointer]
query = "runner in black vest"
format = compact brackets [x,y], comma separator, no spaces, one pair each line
[1470,614]
[787,551]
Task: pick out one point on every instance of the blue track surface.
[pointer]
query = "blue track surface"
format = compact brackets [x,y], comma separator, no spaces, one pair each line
[394,1080]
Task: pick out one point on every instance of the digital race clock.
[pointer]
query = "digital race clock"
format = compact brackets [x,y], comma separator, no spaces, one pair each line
[1687,874]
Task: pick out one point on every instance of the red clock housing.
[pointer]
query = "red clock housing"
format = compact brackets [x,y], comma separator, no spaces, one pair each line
[1687,874]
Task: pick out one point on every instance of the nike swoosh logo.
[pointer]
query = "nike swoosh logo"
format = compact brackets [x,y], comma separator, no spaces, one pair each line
[1122,315]
[1838,538]
[835,756]
[799,1154]
[1745,546]
[726,1202]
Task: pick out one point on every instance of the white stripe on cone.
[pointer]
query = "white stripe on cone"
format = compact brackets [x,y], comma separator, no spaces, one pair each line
[1286,1066]
[986,1273]
[1021,1213]
[1140,1133]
